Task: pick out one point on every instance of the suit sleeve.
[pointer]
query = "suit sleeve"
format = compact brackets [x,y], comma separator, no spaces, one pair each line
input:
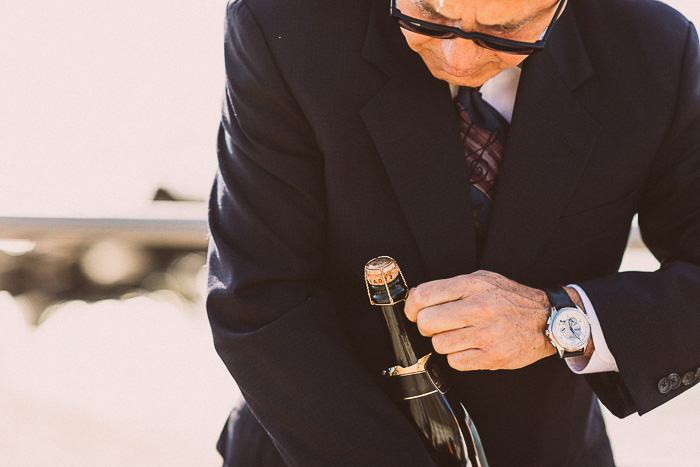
[652,320]
[275,328]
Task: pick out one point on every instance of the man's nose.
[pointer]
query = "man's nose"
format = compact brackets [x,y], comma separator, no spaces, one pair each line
[461,54]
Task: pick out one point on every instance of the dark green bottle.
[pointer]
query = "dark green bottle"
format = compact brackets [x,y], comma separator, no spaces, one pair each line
[448,432]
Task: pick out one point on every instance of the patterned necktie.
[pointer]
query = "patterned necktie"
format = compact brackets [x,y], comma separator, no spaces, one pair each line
[483,132]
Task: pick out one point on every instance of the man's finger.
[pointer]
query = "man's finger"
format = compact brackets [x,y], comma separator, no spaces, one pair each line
[445,317]
[436,292]
[457,340]
[468,360]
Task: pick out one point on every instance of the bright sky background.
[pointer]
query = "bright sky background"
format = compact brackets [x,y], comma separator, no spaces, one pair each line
[102,102]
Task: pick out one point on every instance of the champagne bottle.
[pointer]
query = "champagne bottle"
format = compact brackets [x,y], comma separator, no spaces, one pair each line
[447,430]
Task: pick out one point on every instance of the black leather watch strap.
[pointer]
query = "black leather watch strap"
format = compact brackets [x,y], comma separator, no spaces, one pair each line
[558,298]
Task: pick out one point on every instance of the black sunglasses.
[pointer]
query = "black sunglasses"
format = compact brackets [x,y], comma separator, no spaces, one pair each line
[498,44]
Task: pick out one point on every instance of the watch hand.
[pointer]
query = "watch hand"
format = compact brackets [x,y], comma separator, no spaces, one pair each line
[578,336]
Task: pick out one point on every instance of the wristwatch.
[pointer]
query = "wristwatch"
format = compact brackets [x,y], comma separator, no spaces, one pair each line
[568,327]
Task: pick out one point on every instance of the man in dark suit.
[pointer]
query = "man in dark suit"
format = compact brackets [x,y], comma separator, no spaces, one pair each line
[341,141]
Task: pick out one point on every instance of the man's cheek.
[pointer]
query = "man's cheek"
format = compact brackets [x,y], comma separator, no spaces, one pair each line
[510,60]
[416,41]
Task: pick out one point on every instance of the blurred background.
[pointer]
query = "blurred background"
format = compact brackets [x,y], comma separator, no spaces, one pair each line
[107,141]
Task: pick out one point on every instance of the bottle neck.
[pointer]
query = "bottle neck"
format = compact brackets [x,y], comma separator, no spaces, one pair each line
[390,297]
[403,350]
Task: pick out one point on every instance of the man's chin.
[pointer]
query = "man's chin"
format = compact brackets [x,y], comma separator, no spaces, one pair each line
[472,80]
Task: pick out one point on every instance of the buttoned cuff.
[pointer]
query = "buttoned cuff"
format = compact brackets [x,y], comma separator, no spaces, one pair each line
[601,360]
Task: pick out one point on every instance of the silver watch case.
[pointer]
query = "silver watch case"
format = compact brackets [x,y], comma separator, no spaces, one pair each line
[564,350]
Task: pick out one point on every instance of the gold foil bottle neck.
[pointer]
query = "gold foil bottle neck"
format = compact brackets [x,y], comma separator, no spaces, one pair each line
[381,270]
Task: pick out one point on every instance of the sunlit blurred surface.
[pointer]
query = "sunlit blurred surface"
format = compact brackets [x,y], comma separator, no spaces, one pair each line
[129,382]
[105,351]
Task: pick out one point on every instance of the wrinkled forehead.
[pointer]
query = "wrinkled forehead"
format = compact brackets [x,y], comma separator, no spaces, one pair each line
[488,11]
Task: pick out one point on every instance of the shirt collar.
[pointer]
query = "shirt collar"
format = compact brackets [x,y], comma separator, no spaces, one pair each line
[499,91]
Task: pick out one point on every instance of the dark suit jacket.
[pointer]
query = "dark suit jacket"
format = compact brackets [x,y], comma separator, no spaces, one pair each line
[337,145]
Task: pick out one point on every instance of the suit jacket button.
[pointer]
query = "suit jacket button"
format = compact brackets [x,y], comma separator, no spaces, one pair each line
[675,380]
[664,385]
[688,378]
[697,373]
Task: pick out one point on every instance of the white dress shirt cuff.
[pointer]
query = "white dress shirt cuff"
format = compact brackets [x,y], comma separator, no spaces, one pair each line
[601,360]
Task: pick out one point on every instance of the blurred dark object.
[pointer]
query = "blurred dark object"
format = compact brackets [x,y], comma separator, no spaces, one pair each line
[164,194]
[46,259]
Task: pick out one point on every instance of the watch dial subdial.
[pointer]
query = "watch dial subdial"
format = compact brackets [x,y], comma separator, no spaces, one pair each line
[571,329]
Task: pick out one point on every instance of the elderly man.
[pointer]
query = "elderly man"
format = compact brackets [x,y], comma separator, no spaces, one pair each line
[498,149]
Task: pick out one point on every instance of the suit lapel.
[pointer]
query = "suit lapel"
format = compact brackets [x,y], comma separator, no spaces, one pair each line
[549,143]
[418,141]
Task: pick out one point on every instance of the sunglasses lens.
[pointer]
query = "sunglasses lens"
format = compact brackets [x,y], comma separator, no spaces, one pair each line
[426,31]
[509,49]
[442,34]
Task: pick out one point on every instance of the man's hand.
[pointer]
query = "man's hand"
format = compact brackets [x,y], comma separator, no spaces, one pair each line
[482,321]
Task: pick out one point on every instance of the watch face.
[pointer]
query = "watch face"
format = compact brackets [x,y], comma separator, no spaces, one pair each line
[570,328]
